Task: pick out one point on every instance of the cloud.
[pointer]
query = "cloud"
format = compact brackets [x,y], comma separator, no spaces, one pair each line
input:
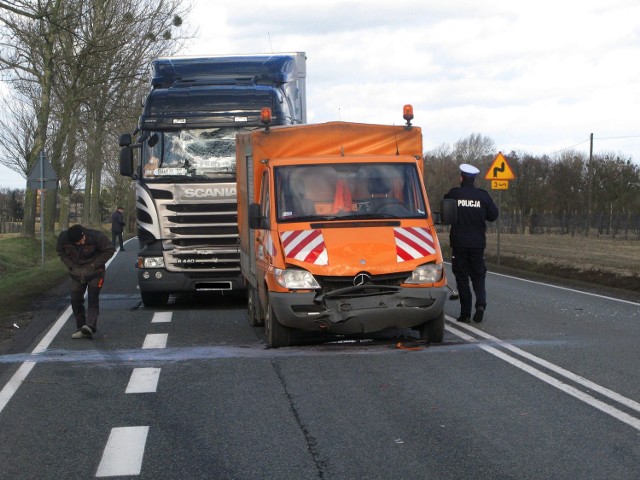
[535,75]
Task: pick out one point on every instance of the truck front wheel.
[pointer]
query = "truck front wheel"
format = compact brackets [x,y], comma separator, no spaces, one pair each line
[277,335]
[433,331]
[154,299]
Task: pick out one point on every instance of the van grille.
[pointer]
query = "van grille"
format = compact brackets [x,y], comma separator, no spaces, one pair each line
[329,284]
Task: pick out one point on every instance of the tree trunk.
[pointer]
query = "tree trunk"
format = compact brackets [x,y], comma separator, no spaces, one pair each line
[29,220]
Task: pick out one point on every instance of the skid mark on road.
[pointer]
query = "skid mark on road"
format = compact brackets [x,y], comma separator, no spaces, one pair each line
[134,357]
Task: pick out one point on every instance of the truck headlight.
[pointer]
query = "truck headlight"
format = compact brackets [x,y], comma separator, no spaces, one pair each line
[429,273]
[150,262]
[295,279]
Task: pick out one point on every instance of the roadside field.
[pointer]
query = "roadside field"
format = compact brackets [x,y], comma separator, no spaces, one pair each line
[621,257]
[600,261]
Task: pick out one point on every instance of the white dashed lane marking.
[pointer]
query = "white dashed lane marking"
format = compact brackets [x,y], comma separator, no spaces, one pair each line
[155,340]
[143,380]
[162,317]
[123,453]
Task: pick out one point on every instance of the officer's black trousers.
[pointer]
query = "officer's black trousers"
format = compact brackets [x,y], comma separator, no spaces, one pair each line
[468,263]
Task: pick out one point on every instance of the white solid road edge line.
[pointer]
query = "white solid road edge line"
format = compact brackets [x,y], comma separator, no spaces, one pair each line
[567,289]
[554,382]
[14,383]
[632,404]
[124,452]
[9,390]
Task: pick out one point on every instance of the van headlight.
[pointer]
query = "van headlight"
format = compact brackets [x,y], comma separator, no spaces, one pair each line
[295,279]
[428,273]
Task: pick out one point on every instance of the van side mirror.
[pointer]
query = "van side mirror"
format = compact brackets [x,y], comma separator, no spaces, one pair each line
[448,211]
[256,221]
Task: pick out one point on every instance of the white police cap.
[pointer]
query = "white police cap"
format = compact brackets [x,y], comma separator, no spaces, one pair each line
[469,170]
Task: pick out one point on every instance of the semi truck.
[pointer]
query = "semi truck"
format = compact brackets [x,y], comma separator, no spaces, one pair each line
[185,170]
[336,232]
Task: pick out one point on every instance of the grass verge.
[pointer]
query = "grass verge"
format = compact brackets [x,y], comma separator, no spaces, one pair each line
[23,276]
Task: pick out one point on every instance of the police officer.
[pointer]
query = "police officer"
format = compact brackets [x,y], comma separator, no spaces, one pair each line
[468,241]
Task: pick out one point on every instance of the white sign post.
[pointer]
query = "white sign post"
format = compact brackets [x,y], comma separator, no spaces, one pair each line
[42,177]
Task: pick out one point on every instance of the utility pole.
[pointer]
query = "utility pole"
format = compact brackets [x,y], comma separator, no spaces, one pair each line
[589,177]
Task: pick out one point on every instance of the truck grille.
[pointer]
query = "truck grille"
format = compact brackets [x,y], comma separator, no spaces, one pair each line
[199,235]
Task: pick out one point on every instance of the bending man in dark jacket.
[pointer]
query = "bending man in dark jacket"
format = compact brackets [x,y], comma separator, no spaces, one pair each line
[85,253]
[468,241]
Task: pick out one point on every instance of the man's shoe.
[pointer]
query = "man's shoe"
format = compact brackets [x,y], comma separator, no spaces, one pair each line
[122,249]
[87,331]
[464,319]
[477,317]
[78,334]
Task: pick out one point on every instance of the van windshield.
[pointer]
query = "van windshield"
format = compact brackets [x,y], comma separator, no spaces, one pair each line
[348,191]
[207,154]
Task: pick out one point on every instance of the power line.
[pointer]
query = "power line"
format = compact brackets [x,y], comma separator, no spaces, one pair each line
[569,148]
[616,138]
[595,138]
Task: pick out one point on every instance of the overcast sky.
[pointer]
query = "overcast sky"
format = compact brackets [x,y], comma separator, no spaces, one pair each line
[534,76]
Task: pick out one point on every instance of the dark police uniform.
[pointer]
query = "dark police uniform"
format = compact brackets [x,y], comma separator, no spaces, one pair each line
[468,241]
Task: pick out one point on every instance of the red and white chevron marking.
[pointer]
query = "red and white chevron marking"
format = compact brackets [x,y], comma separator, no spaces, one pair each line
[413,242]
[268,244]
[305,246]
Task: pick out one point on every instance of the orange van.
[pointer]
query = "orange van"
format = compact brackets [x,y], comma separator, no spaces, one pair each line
[336,234]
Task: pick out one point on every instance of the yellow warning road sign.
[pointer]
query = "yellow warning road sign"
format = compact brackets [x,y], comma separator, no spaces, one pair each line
[500,169]
[499,184]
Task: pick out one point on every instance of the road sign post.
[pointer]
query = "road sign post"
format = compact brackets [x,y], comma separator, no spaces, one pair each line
[42,177]
[499,173]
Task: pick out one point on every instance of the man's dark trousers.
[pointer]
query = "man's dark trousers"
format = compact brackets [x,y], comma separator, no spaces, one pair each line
[118,236]
[78,288]
[468,263]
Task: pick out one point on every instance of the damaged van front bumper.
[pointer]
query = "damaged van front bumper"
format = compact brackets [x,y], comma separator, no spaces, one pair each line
[359,309]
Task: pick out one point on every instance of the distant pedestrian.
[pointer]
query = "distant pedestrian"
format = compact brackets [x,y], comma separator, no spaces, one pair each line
[85,253]
[468,242]
[117,227]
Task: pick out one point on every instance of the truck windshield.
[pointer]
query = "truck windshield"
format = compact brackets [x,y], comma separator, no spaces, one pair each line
[205,154]
[348,191]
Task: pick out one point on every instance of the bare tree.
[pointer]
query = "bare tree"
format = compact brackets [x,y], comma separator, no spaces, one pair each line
[116,82]
[17,131]
[440,173]
[28,53]
[474,149]
[74,63]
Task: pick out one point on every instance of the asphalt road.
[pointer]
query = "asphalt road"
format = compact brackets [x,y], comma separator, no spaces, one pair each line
[546,387]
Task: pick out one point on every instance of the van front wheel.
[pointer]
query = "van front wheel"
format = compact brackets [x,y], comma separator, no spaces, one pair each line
[277,335]
[253,307]
[433,330]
